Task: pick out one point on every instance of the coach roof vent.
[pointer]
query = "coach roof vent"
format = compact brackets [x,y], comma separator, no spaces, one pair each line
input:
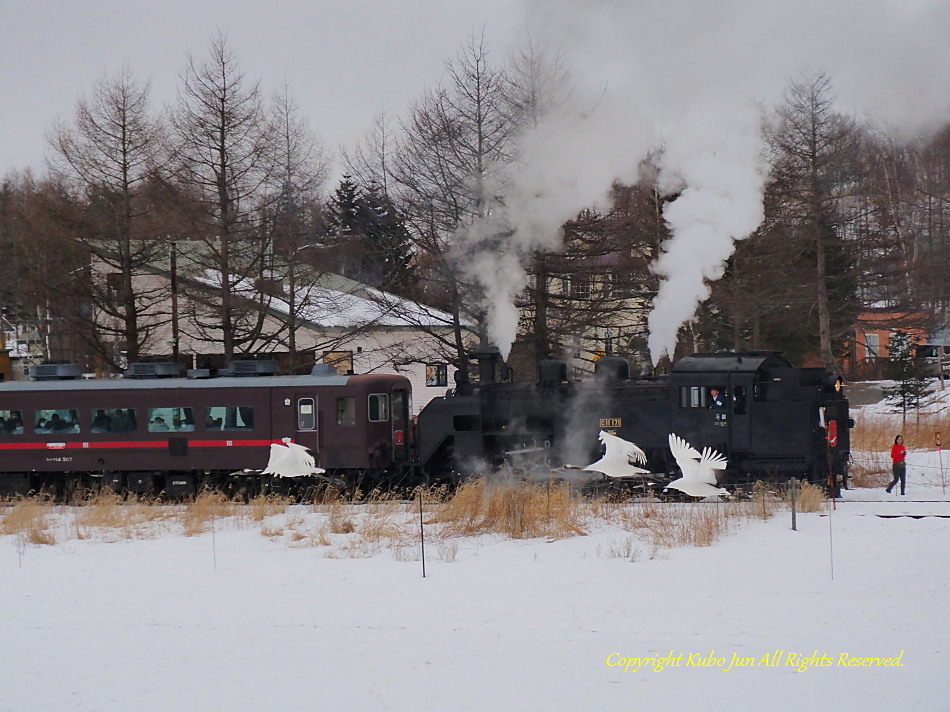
[323,370]
[155,369]
[251,368]
[55,371]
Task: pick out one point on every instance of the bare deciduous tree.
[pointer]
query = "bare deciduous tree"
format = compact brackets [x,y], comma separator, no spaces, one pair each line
[107,156]
[224,163]
[814,168]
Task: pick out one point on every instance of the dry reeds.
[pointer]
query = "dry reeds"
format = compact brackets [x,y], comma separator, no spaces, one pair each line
[366,525]
[810,498]
[521,511]
[199,516]
[667,526]
[267,505]
[29,520]
[106,514]
[876,432]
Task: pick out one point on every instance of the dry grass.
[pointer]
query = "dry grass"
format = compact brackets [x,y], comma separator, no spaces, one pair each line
[365,525]
[870,469]
[765,500]
[873,436]
[267,505]
[519,512]
[109,516]
[199,516]
[29,520]
[875,433]
[667,526]
[810,498]
[664,525]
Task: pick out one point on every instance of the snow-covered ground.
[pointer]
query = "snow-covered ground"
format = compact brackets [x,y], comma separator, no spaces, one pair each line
[241,621]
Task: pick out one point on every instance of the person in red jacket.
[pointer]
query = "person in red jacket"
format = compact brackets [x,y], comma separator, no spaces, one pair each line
[899,458]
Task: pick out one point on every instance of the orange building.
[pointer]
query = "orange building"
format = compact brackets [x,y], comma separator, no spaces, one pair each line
[869,348]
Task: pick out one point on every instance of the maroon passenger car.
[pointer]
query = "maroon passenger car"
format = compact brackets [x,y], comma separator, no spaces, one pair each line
[151,435]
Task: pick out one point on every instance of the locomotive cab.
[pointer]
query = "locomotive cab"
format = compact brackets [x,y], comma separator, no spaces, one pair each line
[770,419]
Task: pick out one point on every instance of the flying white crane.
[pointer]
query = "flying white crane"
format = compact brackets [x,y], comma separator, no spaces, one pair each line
[699,476]
[291,460]
[619,456]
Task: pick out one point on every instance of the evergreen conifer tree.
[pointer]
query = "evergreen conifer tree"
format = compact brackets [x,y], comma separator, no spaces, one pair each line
[911,385]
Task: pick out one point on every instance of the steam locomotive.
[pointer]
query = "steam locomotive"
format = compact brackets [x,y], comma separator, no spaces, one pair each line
[770,419]
[154,432]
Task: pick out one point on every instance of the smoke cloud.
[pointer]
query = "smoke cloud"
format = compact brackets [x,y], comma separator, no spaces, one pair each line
[690,76]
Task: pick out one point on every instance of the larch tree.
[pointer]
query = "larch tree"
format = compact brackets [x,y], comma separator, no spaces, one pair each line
[107,157]
[295,219]
[224,164]
[446,177]
[814,156]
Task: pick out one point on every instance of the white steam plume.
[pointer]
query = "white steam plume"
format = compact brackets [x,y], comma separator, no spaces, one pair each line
[684,75]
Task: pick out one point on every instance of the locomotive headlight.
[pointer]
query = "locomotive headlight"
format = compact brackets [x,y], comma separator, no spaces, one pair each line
[839,382]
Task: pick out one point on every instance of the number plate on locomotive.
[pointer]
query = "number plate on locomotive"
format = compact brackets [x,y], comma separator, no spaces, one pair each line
[611,422]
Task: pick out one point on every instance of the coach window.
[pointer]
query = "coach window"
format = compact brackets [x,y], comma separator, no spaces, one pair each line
[56,421]
[346,410]
[175,419]
[378,408]
[11,422]
[112,420]
[229,418]
[306,414]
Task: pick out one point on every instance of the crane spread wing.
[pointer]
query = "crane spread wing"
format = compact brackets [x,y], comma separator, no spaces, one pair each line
[616,460]
[682,450]
[633,453]
[291,460]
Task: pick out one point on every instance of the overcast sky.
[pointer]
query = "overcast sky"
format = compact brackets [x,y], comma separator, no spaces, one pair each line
[344,59]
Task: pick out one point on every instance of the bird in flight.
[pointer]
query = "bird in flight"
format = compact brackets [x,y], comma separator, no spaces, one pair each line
[699,470]
[291,460]
[619,456]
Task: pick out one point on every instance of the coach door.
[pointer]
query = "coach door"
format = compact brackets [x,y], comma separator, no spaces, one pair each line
[308,421]
[402,434]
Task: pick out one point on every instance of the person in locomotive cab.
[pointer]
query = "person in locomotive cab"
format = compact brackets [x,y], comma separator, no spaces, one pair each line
[158,425]
[899,458]
[717,399]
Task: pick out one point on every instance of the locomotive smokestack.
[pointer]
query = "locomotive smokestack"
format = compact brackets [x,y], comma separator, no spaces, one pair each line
[487,357]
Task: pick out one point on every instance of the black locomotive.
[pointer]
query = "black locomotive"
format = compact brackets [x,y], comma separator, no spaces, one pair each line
[770,419]
[154,432]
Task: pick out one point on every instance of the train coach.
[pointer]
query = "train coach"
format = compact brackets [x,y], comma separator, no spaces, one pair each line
[154,432]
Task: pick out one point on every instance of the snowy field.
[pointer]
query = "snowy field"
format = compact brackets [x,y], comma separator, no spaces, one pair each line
[239,621]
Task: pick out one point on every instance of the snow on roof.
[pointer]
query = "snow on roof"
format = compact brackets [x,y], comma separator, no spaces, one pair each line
[336,301]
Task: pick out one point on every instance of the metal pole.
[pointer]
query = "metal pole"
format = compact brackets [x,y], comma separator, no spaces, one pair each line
[794,523]
[422,535]
[831,544]
[943,481]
